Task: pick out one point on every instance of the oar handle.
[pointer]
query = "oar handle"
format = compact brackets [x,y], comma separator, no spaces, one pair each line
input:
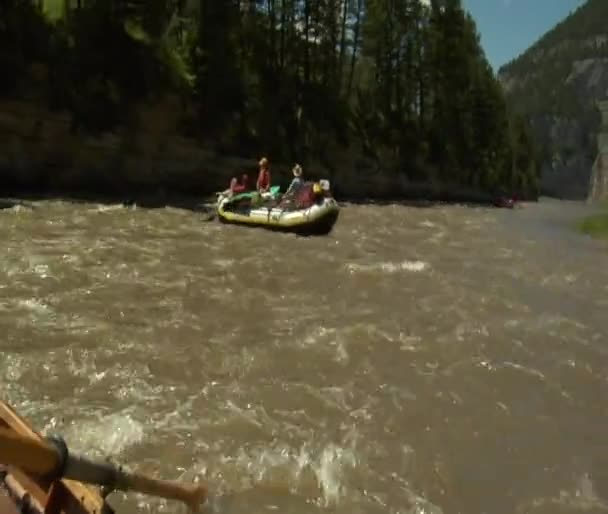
[29,454]
[51,457]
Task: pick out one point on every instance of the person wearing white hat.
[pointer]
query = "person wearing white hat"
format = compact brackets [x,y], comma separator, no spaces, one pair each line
[297,181]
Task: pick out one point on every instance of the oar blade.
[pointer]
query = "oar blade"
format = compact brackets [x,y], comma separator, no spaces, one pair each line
[193,495]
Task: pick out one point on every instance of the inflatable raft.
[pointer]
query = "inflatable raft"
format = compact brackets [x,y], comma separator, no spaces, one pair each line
[22,492]
[504,203]
[313,211]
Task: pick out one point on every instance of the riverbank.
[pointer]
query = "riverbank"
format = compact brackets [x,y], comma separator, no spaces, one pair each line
[148,162]
[201,203]
[595,225]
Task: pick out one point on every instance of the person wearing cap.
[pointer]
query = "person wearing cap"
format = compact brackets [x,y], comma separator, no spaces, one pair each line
[297,181]
[263,183]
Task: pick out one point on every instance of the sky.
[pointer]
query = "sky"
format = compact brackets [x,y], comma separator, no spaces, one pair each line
[509,27]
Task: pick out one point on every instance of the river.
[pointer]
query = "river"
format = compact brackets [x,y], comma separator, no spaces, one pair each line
[417,360]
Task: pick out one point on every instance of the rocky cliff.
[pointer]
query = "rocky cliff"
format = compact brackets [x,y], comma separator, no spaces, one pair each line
[557,83]
[598,185]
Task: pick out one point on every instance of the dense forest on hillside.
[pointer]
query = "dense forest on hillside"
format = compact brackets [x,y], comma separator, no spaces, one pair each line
[583,24]
[555,84]
[547,65]
[403,84]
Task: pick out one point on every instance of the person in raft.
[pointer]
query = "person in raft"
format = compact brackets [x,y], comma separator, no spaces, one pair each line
[263,183]
[296,183]
[237,187]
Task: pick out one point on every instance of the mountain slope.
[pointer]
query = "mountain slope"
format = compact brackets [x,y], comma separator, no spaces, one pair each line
[556,83]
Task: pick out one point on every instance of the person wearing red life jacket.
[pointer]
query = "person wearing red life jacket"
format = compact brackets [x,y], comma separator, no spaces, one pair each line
[264,180]
[236,187]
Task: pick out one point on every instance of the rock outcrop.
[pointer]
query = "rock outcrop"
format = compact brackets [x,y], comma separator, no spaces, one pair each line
[598,186]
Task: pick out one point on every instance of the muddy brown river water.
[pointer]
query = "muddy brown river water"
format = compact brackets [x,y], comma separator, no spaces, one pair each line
[416,360]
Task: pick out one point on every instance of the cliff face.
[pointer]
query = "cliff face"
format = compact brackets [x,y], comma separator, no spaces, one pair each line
[598,185]
[557,83]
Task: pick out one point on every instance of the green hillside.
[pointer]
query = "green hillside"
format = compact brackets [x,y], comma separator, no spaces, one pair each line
[547,64]
[364,88]
[556,84]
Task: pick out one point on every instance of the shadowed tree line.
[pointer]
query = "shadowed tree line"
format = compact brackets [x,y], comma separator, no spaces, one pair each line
[400,87]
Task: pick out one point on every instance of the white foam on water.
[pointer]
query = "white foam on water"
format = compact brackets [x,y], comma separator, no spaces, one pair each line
[342,355]
[42,270]
[125,381]
[18,208]
[388,267]
[338,341]
[437,237]
[319,334]
[34,312]
[317,472]
[329,475]
[466,329]
[34,305]
[409,342]
[12,367]
[106,208]
[223,263]
[317,338]
[104,435]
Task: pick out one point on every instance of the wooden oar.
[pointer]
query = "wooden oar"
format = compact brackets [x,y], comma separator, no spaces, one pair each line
[51,458]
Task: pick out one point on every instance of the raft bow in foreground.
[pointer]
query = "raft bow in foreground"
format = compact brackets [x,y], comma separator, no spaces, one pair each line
[25,493]
[316,217]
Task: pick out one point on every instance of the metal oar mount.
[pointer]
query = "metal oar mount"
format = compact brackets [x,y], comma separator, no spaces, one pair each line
[51,457]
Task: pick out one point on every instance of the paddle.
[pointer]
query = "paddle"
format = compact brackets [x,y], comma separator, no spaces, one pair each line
[50,457]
